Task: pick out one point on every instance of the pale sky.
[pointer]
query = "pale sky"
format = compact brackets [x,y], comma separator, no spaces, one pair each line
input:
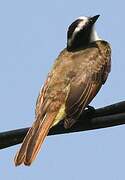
[32,33]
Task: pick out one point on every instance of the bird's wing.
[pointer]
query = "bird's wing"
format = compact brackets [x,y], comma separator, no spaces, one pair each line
[87,84]
[80,96]
[41,103]
[40,99]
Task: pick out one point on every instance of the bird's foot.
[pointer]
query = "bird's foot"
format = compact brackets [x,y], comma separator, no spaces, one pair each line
[90,109]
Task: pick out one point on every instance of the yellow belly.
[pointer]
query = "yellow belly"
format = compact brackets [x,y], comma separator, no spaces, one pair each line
[60,116]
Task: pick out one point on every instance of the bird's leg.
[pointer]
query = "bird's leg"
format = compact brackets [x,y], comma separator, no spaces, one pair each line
[91,108]
[69,122]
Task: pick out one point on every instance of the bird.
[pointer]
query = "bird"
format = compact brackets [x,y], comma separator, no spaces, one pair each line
[77,75]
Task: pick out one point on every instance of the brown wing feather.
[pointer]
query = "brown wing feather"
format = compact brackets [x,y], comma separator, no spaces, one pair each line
[87,84]
[40,100]
[85,98]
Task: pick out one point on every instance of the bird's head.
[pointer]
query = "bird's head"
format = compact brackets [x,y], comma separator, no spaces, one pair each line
[81,32]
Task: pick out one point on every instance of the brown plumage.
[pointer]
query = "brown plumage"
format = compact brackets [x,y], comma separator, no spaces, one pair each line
[77,75]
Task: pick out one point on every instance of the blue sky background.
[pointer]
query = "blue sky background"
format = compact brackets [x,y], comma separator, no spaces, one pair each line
[32,33]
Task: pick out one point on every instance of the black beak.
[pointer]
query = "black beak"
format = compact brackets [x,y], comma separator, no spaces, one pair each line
[93,19]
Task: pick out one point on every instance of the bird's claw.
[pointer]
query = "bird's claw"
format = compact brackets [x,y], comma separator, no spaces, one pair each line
[90,109]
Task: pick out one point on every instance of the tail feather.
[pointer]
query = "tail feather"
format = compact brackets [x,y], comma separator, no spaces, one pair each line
[34,140]
[20,156]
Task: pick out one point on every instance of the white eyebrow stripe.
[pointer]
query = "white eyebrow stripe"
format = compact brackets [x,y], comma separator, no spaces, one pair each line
[79,27]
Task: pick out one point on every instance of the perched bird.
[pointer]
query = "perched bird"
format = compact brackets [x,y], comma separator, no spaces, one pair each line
[76,77]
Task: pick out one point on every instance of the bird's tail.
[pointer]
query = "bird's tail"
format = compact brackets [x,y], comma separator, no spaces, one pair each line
[34,139]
